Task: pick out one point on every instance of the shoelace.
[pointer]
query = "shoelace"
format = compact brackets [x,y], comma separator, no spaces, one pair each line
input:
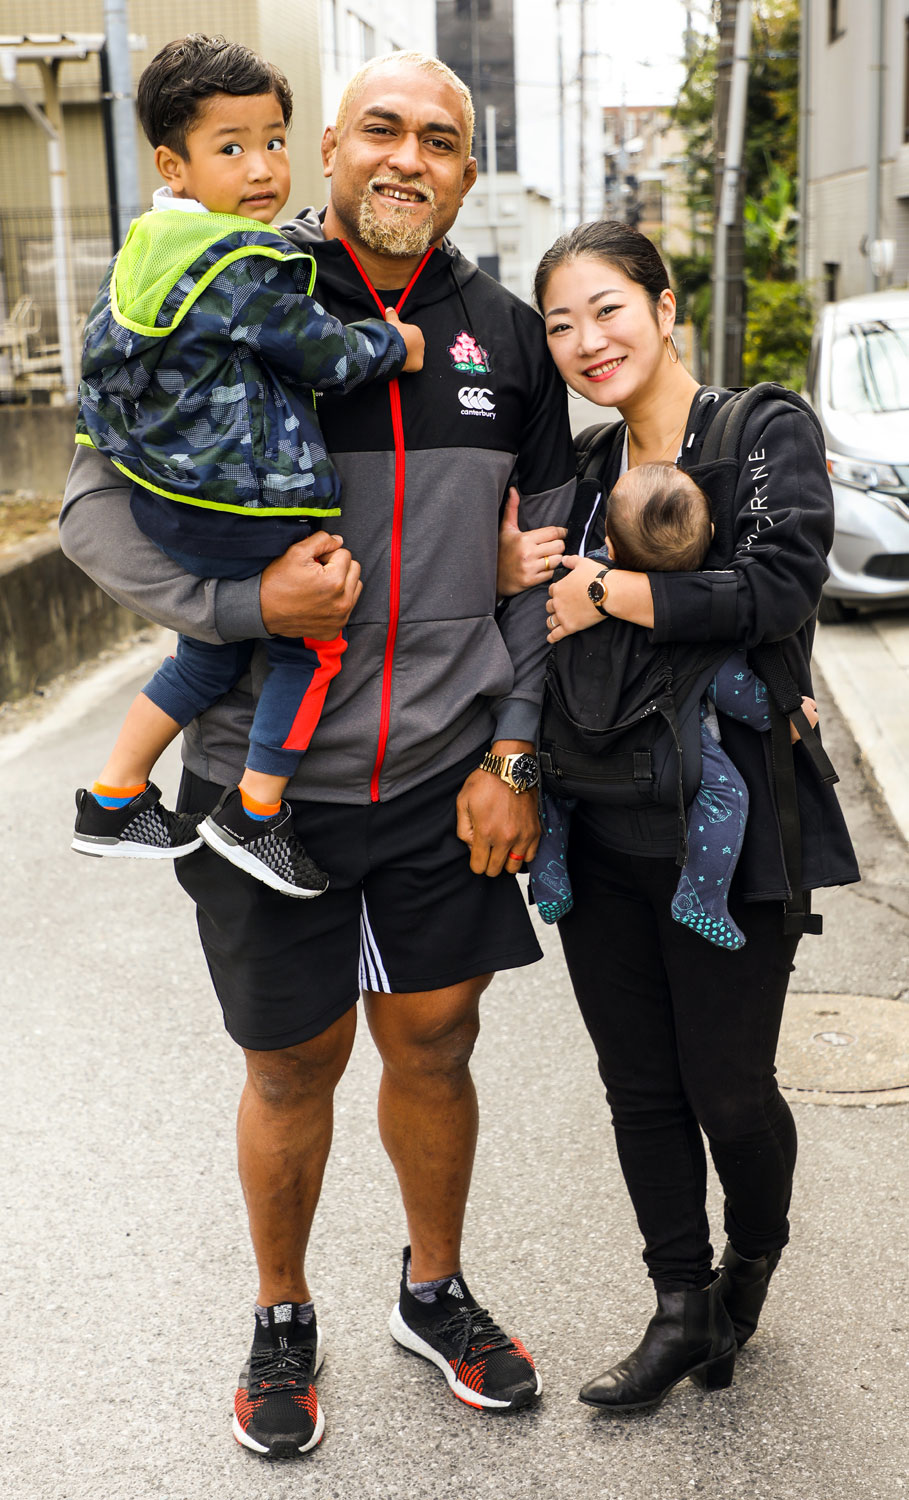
[276,1369]
[473,1333]
[286,848]
[189,823]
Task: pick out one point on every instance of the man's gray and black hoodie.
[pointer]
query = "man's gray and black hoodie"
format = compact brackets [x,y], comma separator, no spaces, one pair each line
[431,673]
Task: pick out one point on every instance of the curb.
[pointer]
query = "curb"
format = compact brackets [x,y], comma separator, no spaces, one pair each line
[866,669]
[52,616]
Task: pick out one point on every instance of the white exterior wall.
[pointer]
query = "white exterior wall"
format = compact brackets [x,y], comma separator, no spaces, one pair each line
[842,95]
[525,224]
[353,31]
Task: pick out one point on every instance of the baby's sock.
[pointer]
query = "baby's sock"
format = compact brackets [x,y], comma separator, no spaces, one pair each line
[258,810]
[704,910]
[549,882]
[116,796]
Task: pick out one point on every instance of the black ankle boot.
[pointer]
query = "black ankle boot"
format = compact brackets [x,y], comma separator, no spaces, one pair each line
[743,1288]
[689,1334]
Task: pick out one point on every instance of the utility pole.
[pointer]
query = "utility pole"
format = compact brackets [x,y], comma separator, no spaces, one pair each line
[62,229]
[582,106]
[873,276]
[118,85]
[563,199]
[492,182]
[474,81]
[728,329]
[805,113]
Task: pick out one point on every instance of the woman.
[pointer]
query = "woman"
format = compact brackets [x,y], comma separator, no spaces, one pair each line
[685,1032]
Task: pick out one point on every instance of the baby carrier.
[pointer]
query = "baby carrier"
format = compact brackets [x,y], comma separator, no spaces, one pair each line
[619,720]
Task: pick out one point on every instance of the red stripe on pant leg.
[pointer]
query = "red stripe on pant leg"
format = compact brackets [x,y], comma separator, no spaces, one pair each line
[329,655]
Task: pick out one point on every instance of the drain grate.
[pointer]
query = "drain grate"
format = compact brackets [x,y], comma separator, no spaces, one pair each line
[845,1049]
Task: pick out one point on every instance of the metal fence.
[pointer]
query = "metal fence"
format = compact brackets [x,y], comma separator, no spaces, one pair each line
[34,287]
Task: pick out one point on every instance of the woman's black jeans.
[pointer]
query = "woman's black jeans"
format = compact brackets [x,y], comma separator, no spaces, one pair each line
[686,1035]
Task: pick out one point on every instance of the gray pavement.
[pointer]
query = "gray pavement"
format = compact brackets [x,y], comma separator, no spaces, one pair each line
[128,1275]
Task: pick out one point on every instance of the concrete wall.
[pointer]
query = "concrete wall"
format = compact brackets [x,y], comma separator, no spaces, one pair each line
[52,617]
[36,448]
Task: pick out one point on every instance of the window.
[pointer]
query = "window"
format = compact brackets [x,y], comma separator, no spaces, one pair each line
[831,276]
[869,367]
[332,27]
[835,19]
[363,39]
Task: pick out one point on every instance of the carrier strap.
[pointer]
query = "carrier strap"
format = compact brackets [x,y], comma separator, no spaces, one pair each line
[723,440]
[770,664]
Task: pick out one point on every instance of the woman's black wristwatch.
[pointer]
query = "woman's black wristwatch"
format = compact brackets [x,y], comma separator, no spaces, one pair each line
[597,591]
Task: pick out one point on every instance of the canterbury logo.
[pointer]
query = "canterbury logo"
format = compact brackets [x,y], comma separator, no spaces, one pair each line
[475,398]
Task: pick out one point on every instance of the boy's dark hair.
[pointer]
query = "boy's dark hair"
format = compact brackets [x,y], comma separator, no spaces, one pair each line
[658,521]
[174,87]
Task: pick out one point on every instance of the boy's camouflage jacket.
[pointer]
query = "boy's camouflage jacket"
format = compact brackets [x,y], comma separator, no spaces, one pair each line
[200,358]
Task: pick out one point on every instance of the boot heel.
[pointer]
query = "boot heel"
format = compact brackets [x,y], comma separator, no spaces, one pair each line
[718,1374]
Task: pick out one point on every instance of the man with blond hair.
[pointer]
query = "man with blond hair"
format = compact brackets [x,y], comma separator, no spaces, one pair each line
[418,788]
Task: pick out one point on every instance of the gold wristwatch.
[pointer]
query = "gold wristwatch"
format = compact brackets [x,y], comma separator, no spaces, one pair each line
[597,591]
[520,772]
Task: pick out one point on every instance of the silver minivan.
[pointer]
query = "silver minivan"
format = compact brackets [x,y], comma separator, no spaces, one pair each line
[858,383]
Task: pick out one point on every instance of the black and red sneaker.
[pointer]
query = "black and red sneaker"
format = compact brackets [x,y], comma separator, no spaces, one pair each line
[484,1367]
[276,1409]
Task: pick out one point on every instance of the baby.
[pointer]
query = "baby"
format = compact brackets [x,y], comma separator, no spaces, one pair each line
[658,520]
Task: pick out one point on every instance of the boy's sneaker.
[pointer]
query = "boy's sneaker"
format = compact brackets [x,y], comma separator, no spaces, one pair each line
[484,1367]
[266,848]
[276,1409]
[143,829]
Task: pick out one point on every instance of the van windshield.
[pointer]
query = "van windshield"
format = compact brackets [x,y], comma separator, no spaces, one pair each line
[869,367]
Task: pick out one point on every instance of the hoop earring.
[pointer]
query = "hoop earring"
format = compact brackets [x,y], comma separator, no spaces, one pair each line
[671,348]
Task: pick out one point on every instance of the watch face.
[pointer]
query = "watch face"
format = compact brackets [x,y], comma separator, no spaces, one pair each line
[596,591]
[525,772]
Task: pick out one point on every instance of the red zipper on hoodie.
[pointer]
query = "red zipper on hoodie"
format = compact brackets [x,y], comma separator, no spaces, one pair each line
[397,529]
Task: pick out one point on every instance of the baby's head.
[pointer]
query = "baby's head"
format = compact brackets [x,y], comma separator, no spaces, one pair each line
[217,116]
[658,521]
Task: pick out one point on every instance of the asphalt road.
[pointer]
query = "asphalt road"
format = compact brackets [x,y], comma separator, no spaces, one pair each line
[128,1276]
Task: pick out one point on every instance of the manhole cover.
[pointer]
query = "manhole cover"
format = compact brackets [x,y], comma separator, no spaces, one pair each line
[845,1049]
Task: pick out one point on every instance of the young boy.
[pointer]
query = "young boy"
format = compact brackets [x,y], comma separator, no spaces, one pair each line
[201,357]
[658,520]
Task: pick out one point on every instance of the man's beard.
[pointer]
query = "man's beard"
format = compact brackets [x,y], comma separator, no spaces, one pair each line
[395,234]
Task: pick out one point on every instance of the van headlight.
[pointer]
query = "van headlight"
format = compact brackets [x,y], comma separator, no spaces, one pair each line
[862,474]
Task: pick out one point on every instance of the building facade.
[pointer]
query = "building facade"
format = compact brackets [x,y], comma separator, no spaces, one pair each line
[855,145]
[353,31]
[644,177]
[532,65]
[286,31]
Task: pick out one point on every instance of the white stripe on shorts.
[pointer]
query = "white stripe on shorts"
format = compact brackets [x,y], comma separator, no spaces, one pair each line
[372,969]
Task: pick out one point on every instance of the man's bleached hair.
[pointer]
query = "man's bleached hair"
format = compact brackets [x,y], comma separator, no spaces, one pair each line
[423,60]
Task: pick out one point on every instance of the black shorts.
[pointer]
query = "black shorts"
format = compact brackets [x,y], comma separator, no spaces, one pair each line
[403,913]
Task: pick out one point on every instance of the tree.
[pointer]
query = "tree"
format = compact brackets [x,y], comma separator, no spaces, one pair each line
[771,228]
[777,332]
[771,134]
[770,181]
